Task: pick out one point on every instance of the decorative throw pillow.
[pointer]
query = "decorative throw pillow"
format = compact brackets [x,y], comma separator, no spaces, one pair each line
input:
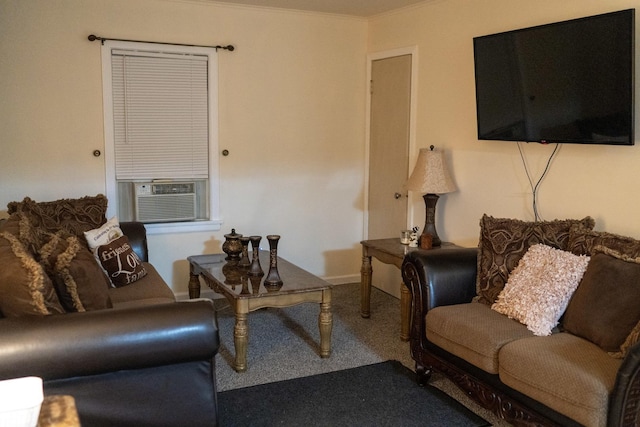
[120,262]
[73,215]
[114,253]
[79,281]
[11,225]
[605,308]
[632,339]
[582,241]
[104,234]
[539,288]
[32,238]
[503,242]
[25,288]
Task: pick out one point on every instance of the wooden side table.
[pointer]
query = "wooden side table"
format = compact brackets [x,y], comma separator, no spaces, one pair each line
[388,251]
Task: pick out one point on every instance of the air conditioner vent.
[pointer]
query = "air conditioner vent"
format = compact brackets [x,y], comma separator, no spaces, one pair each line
[165,202]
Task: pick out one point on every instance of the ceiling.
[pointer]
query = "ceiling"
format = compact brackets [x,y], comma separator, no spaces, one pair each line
[362,8]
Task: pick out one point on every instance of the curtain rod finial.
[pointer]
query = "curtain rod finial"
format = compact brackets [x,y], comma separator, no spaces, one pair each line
[93,37]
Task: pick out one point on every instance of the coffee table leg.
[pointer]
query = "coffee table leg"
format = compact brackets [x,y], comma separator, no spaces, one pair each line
[365,286]
[405,311]
[325,322]
[241,338]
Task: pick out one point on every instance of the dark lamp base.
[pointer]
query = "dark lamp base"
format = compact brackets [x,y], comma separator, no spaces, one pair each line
[430,201]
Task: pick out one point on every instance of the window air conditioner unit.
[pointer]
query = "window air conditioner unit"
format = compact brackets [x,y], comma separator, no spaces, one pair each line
[165,202]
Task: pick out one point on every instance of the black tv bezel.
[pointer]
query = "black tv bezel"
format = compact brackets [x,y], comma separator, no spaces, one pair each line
[631,13]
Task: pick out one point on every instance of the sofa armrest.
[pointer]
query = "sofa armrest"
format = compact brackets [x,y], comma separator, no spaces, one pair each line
[95,342]
[137,235]
[624,404]
[435,278]
[442,277]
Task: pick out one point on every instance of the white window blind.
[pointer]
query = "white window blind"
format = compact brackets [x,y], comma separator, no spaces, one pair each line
[160,115]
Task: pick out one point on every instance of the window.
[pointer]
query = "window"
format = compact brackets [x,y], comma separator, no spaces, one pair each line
[160,104]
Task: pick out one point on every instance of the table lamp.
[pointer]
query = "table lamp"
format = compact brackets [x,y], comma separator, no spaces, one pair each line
[431,177]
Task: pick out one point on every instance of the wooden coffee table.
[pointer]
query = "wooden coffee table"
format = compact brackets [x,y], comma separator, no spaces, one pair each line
[248,293]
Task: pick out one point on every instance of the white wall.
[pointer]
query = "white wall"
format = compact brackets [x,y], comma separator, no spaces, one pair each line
[600,181]
[291,115]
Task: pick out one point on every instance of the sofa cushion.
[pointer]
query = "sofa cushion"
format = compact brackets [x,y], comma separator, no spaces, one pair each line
[80,282]
[539,288]
[73,215]
[564,372]
[503,242]
[605,308]
[25,288]
[151,289]
[473,332]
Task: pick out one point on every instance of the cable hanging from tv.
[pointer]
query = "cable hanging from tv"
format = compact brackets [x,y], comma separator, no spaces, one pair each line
[93,37]
[534,189]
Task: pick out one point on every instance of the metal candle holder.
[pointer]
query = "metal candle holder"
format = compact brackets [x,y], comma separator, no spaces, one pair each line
[255,269]
[273,277]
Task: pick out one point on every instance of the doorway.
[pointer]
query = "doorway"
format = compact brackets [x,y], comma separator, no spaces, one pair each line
[391,107]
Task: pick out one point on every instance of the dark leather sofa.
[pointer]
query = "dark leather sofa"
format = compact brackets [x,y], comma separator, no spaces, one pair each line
[148,363]
[448,278]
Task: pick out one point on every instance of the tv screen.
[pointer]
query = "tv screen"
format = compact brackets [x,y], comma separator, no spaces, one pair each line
[571,82]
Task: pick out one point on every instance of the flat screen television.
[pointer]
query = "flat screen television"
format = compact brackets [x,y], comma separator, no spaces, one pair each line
[569,82]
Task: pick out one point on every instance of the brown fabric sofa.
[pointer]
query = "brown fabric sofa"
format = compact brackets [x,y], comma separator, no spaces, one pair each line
[570,377]
[131,355]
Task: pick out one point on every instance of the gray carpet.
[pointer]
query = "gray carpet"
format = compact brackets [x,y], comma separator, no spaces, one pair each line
[284,343]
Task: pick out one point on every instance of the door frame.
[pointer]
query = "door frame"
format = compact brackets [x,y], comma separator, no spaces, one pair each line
[371,57]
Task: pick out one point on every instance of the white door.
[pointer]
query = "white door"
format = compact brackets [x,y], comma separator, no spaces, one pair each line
[388,158]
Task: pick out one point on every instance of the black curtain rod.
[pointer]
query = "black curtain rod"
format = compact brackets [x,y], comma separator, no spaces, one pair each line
[93,37]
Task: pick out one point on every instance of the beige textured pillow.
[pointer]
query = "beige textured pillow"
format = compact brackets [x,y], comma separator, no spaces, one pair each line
[504,241]
[540,287]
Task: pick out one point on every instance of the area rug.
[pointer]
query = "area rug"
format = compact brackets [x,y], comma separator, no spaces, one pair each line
[381,394]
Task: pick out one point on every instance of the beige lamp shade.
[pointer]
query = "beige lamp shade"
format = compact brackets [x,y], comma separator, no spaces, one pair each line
[431,175]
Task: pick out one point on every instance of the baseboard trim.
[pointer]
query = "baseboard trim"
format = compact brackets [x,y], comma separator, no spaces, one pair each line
[343,280]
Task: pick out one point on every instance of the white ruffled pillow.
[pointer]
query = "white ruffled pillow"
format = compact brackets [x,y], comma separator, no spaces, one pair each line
[539,288]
